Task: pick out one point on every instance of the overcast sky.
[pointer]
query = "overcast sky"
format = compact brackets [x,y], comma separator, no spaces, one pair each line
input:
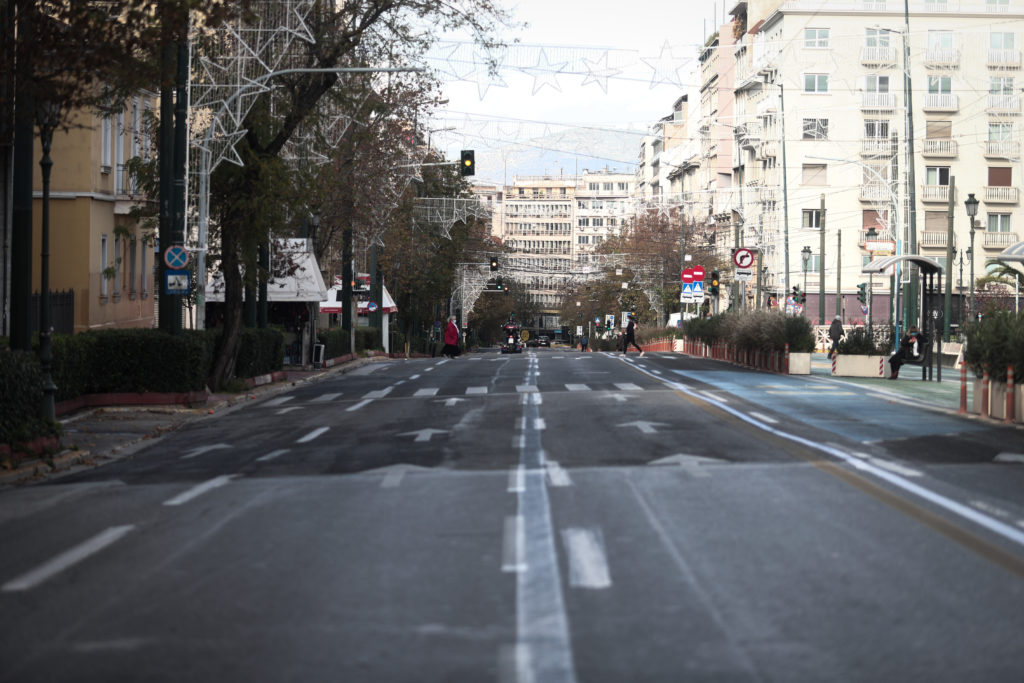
[603,63]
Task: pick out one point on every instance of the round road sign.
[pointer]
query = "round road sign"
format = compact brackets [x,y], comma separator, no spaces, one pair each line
[687,275]
[698,273]
[176,257]
[743,258]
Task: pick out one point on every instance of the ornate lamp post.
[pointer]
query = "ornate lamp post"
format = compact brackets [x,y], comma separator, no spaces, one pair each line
[47,118]
[971,204]
[805,254]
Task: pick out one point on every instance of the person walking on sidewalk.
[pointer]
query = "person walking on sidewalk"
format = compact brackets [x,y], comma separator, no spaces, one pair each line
[835,333]
[631,338]
[451,339]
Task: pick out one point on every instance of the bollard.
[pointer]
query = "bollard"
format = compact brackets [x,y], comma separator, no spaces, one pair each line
[785,359]
[963,389]
[984,393]
[1010,408]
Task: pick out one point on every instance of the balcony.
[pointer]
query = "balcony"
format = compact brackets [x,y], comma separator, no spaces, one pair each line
[933,238]
[769,149]
[878,101]
[941,103]
[769,193]
[1004,59]
[875,147]
[999,240]
[1001,194]
[939,147]
[1003,149]
[1003,104]
[935,193]
[878,56]
[942,58]
[875,192]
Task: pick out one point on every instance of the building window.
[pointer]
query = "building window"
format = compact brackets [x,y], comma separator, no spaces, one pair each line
[940,40]
[1000,176]
[812,218]
[997,5]
[936,221]
[594,187]
[940,85]
[1000,85]
[132,270]
[106,142]
[876,83]
[938,130]
[876,37]
[813,264]
[136,125]
[103,265]
[999,222]
[815,83]
[873,128]
[584,222]
[815,174]
[622,187]
[143,273]
[598,222]
[816,37]
[1001,40]
[815,129]
[1000,132]
[607,187]
[936,175]
[872,218]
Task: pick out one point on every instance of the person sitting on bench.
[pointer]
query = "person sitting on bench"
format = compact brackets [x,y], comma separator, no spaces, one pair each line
[911,349]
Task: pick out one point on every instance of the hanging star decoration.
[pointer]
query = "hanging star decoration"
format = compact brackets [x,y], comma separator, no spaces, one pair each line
[666,68]
[484,78]
[599,72]
[545,72]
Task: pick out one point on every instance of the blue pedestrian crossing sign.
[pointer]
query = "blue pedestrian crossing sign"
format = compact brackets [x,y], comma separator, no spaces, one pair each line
[177,282]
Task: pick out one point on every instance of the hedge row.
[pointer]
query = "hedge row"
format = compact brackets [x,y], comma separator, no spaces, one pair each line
[336,341]
[754,330]
[21,395]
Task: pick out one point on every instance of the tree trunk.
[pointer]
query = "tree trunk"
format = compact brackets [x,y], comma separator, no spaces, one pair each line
[227,349]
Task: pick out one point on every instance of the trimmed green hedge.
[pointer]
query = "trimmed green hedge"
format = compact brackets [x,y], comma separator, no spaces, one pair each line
[336,341]
[260,352]
[751,330]
[21,396]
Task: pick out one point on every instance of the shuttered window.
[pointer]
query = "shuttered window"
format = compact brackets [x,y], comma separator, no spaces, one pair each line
[939,130]
[1000,176]
[815,174]
[935,221]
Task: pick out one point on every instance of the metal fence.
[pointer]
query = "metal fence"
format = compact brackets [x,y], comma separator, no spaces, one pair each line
[62,311]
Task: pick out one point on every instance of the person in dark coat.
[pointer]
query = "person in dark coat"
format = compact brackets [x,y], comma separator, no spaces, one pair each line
[451,339]
[630,337]
[911,346]
[835,333]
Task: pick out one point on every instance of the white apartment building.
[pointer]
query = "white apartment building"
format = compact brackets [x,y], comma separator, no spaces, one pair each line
[822,85]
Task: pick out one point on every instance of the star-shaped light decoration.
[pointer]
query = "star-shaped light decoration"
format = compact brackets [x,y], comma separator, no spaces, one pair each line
[666,68]
[450,64]
[599,72]
[545,72]
[484,78]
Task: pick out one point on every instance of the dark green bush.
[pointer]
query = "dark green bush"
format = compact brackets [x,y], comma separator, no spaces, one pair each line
[996,341]
[752,330]
[858,342]
[21,396]
[260,352]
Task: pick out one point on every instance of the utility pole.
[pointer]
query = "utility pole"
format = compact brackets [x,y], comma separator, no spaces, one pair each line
[911,302]
[821,267]
[947,309]
[839,272]
[785,192]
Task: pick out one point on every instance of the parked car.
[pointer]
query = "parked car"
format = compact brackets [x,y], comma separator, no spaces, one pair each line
[544,340]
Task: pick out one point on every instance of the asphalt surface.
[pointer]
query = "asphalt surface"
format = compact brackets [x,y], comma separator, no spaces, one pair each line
[550,516]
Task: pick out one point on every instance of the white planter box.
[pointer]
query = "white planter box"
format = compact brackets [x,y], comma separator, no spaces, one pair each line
[846,365]
[997,399]
[799,363]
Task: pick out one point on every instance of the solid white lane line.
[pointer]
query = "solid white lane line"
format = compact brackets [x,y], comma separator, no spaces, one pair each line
[272,455]
[278,401]
[313,434]
[66,559]
[512,554]
[324,398]
[516,479]
[627,386]
[196,452]
[476,390]
[357,406]
[422,393]
[577,387]
[515,664]
[588,567]
[557,476]
[200,489]
[764,418]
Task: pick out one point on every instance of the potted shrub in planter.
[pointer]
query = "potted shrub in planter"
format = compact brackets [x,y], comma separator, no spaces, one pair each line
[858,355]
[800,337]
[997,341]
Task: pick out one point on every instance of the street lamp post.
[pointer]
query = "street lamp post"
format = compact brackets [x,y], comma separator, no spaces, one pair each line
[971,204]
[48,114]
[968,255]
[805,254]
[871,236]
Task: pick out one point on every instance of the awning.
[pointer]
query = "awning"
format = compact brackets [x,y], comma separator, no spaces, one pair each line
[1014,253]
[295,275]
[928,265]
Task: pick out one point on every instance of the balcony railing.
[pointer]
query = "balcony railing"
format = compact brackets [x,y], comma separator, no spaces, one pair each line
[878,100]
[941,102]
[939,147]
[1004,59]
[1000,240]
[876,147]
[1002,149]
[933,238]
[878,56]
[1002,194]
[935,193]
[1004,104]
[875,192]
[943,57]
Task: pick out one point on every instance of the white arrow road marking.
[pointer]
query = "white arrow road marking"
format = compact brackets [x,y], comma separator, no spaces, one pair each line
[199,490]
[66,559]
[557,476]
[643,426]
[425,393]
[313,434]
[424,434]
[272,455]
[196,452]
[588,567]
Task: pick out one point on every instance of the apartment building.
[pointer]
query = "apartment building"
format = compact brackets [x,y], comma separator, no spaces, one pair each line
[659,153]
[821,85]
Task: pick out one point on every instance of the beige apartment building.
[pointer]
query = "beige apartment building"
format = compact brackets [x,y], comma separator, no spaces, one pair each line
[821,85]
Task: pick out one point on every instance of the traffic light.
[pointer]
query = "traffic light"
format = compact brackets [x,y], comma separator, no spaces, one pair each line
[494,263]
[499,284]
[713,286]
[862,292]
[803,297]
[467,165]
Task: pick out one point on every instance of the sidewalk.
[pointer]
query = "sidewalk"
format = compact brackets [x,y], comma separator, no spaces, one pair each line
[944,394]
[96,436]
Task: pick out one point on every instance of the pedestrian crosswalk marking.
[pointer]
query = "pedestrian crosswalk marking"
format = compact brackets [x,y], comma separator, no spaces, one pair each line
[627,386]
[278,401]
[422,393]
[577,387]
[324,398]
[476,390]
